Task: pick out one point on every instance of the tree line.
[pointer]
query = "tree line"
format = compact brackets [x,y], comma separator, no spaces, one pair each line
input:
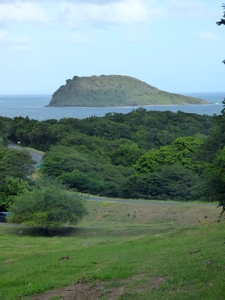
[142,155]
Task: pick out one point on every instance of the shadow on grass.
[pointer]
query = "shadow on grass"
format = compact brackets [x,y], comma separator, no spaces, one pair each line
[93,231]
[37,231]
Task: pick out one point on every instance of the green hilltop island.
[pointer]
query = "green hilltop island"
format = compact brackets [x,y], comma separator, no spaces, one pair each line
[114,90]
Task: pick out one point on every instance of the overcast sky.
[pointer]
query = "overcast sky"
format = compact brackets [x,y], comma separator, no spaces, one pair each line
[174,45]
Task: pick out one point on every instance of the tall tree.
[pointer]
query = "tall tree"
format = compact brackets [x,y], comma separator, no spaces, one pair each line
[15,163]
[214,148]
[222,22]
[15,168]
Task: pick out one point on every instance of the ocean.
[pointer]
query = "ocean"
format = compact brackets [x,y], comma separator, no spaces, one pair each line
[34,107]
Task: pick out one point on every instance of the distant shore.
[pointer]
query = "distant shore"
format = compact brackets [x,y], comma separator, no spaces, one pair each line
[132,106]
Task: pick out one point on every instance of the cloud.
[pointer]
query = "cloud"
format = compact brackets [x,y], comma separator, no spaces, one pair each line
[123,12]
[99,12]
[188,8]
[18,11]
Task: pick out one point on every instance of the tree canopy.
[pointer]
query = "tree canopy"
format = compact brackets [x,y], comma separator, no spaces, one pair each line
[15,168]
[181,152]
[214,158]
[49,206]
[222,22]
[106,155]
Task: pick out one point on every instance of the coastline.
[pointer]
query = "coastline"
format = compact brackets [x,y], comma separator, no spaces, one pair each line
[36,107]
[132,106]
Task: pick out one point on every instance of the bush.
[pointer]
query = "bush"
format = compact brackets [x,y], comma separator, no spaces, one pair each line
[49,206]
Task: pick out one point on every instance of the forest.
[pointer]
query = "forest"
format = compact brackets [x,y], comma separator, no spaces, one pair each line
[142,155]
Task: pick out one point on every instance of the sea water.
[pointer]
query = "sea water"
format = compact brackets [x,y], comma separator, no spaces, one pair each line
[34,107]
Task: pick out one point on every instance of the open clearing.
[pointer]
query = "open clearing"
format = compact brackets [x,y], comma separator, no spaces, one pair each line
[121,250]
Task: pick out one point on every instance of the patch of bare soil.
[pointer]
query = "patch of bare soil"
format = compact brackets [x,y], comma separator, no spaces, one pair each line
[99,290]
[82,291]
[153,284]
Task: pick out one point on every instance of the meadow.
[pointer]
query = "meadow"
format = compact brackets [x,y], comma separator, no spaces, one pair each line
[120,250]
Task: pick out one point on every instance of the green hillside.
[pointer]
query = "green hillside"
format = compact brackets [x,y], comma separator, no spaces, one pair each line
[114,90]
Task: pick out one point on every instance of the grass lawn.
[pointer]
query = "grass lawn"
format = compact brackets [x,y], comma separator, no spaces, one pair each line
[121,250]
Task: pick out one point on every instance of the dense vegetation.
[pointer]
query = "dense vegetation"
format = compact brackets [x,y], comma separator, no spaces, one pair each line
[15,169]
[114,90]
[142,154]
[48,205]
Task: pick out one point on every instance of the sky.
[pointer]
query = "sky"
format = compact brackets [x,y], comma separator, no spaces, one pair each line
[174,45]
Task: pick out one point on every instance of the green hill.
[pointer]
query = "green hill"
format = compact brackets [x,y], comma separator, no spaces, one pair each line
[114,90]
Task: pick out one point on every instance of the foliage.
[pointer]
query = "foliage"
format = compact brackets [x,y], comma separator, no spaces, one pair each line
[49,206]
[215,179]
[14,163]
[84,173]
[82,182]
[148,129]
[114,90]
[21,129]
[181,152]
[222,21]
[12,187]
[96,155]
[15,168]
[165,182]
[213,155]
[5,129]
[126,155]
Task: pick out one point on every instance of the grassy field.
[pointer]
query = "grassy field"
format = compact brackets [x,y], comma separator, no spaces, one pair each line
[121,250]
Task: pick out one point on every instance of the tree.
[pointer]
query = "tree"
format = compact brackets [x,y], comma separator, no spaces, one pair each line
[222,22]
[48,206]
[181,152]
[5,129]
[81,182]
[15,168]
[15,163]
[213,155]
[126,155]
[215,179]
[166,182]
[12,187]
[215,141]
[21,129]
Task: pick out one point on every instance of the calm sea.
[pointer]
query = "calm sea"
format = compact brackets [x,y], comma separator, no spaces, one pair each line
[34,106]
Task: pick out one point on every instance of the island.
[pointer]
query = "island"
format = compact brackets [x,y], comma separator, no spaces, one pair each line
[112,91]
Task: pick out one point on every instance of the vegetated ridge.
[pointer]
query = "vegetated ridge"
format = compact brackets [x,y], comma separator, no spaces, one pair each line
[114,90]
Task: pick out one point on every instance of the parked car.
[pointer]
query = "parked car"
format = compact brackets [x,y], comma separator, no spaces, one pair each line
[3,216]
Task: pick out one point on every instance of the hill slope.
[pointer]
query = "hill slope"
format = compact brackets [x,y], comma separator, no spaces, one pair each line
[114,90]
